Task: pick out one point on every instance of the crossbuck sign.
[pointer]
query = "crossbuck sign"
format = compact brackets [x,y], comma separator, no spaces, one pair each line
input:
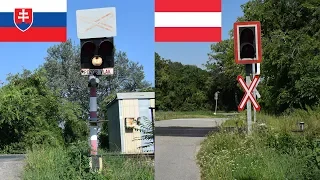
[249,93]
[96,23]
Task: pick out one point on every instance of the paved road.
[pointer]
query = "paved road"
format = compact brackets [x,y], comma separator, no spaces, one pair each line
[11,167]
[177,143]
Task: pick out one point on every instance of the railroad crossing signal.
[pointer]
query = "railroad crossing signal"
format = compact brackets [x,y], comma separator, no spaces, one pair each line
[97,53]
[247,42]
[249,93]
[96,29]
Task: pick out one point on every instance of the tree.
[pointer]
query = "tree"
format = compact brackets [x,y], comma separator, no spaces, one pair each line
[224,72]
[30,113]
[180,87]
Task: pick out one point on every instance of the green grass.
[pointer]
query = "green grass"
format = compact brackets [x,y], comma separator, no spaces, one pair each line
[66,164]
[119,167]
[236,121]
[273,152]
[165,115]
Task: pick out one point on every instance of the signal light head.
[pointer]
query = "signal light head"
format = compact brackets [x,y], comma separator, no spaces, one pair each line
[247,51]
[88,49]
[96,61]
[247,35]
[97,53]
[247,42]
[105,48]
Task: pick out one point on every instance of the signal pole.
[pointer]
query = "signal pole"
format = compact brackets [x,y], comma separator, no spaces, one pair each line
[96,160]
[97,59]
[248,51]
[248,82]
[93,84]
[254,93]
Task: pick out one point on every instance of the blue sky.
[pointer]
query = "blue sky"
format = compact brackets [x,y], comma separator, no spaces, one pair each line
[196,53]
[135,36]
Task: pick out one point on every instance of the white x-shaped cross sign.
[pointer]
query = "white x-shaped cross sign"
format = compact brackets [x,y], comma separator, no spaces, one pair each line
[248,92]
[98,22]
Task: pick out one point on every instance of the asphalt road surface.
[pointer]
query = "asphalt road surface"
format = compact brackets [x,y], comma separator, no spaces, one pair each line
[11,167]
[177,143]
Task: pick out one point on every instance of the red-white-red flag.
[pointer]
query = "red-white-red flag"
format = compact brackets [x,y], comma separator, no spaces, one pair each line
[188,21]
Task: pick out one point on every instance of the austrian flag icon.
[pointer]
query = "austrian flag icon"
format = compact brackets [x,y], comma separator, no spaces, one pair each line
[23,18]
[187,21]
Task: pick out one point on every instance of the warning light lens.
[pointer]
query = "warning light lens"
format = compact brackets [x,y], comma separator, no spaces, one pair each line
[87,50]
[96,61]
[105,49]
[247,51]
[247,36]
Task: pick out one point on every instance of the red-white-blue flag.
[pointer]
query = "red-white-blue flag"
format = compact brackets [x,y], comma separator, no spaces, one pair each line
[188,21]
[33,21]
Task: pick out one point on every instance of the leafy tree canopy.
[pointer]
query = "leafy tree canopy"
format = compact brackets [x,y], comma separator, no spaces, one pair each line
[30,113]
[180,87]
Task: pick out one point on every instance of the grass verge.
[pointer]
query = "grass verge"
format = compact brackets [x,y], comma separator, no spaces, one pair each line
[71,163]
[272,152]
[165,115]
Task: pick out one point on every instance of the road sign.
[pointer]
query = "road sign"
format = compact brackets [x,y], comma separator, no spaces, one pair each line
[216,95]
[97,72]
[248,93]
[96,23]
[247,42]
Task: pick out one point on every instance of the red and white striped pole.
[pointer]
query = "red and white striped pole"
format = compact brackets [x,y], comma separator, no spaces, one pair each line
[93,83]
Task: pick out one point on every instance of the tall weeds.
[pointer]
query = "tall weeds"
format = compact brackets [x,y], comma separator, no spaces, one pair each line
[72,163]
[270,153]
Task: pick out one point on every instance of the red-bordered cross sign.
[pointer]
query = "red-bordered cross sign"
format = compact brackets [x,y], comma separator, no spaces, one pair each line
[248,93]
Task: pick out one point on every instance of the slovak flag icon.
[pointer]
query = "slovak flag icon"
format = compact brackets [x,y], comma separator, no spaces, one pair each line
[23,18]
